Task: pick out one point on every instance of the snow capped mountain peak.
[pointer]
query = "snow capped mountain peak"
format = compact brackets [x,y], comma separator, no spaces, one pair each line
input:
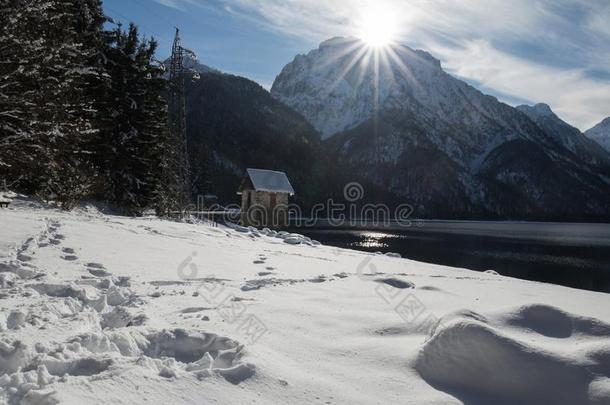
[544,109]
[604,124]
[338,41]
[191,61]
[537,110]
[545,118]
[601,133]
[362,47]
[338,85]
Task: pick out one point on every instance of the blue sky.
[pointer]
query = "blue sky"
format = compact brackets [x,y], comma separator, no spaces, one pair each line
[222,39]
[552,51]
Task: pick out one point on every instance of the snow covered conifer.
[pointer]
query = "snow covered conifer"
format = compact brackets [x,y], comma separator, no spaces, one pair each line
[52,70]
[134,146]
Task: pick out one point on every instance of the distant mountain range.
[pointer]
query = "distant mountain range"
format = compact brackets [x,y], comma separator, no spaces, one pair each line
[420,136]
[601,133]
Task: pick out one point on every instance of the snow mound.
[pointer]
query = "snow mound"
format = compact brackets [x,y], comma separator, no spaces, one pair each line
[393,254]
[185,346]
[479,362]
[289,238]
[297,239]
[13,355]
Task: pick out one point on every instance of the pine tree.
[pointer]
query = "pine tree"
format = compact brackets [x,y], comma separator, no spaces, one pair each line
[135,150]
[75,72]
[82,109]
[20,49]
[53,51]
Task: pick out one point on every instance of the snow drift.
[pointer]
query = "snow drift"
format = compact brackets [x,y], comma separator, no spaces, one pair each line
[107,309]
[556,359]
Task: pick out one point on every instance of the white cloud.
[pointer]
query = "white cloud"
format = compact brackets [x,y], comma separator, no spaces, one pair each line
[575,97]
[477,39]
[177,4]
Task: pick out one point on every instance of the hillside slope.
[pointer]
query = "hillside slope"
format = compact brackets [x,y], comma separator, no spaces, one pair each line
[601,133]
[233,124]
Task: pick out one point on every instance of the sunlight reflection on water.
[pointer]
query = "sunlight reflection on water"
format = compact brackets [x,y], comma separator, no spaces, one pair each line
[578,260]
[372,240]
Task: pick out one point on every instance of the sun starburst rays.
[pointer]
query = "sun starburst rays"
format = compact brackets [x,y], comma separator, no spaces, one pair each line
[385,65]
[377,26]
[372,61]
[405,71]
[359,55]
[350,47]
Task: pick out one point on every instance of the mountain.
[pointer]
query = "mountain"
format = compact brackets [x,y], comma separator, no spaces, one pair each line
[233,123]
[567,135]
[601,133]
[546,119]
[191,62]
[405,125]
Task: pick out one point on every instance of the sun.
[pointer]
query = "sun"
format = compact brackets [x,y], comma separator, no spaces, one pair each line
[377,27]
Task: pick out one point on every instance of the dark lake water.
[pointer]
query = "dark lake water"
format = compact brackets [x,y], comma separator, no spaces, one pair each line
[573,255]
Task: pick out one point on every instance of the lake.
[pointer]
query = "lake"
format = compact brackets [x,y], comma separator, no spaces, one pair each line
[570,254]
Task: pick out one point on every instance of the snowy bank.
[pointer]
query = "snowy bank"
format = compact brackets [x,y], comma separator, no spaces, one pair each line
[99,309]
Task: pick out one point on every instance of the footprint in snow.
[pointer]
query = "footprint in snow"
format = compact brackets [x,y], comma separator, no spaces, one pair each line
[99,272]
[396,283]
[70,258]
[191,310]
[239,299]
[319,279]
[23,257]
[68,250]
[257,284]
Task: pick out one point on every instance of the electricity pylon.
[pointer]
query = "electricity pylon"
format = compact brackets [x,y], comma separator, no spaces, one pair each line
[177,113]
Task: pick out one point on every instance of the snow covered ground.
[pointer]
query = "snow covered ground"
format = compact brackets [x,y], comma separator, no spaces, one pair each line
[108,309]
